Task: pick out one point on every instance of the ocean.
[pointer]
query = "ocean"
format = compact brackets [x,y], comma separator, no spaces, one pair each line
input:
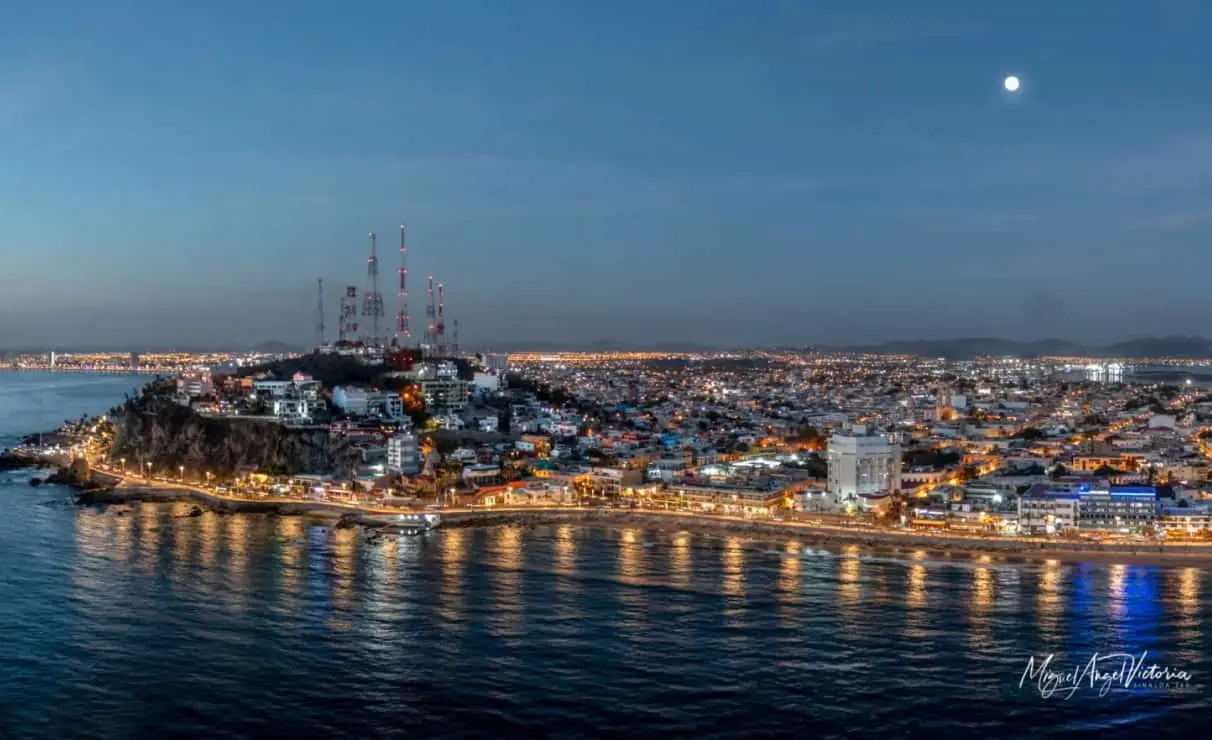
[141,621]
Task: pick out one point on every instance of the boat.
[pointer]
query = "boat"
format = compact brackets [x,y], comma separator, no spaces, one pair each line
[422,521]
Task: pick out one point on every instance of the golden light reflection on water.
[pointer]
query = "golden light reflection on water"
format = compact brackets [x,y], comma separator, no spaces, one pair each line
[184,537]
[1190,643]
[389,551]
[916,578]
[238,536]
[123,537]
[734,567]
[208,527]
[631,592]
[565,553]
[92,534]
[679,560]
[452,596]
[1188,590]
[1049,598]
[149,537]
[915,591]
[789,572]
[789,585]
[507,615]
[849,570]
[629,555]
[980,633]
[290,536]
[344,543]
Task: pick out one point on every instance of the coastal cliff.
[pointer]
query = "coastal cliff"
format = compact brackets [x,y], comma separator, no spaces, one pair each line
[153,429]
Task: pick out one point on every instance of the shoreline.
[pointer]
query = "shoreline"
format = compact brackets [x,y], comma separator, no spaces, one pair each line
[127,492]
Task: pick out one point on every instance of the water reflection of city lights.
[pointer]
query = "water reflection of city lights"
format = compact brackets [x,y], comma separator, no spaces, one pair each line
[452,594]
[789,586]
[849,570]
[123,538]
[507,616]
[208,527]
[915,592]
[1115,590]
[980,634]
[629,556]
[565,551]
[734,567]
[290,534]
[344,552]
[679,560]
[1049,599]
[1188,590]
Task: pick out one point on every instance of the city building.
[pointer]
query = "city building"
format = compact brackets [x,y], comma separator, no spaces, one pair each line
[404,454]
[1048,508]
[294,410]
[1116,507]
[863,467]
[443,391]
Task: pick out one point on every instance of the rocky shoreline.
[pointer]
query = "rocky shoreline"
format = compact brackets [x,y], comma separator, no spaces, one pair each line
[900,542]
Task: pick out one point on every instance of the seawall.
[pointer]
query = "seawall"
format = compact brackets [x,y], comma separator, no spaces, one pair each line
[879,539]
[1025,548]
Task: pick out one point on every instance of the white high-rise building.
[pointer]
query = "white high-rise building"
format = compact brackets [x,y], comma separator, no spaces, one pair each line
[862,467]
[404,454]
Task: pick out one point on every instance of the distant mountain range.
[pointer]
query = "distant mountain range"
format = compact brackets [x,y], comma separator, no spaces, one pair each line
[602,345]
[957,349]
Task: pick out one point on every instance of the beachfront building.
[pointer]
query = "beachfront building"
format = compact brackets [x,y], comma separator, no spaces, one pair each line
[864,469]
[1048,509]
[1054,507]
[1120,508]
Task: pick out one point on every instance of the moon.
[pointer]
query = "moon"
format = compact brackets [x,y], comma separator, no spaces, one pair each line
[1011,84]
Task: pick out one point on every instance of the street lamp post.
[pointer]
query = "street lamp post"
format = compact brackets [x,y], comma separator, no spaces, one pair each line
[181,469]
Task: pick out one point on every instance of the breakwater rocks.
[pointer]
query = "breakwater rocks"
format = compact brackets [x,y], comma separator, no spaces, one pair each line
[139,494]
[9,461]
[167,434]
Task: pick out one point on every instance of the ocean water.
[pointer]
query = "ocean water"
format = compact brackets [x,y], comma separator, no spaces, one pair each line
[141,621]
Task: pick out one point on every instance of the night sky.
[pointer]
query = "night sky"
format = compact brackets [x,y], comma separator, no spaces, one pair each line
[734,173]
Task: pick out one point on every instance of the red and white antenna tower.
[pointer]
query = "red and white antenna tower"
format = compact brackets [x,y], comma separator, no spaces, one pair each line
[440,328]
[372,301]
[402,330]
[431,314]
[348,331]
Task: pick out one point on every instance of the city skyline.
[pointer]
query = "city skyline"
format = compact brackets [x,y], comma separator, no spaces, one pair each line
[802,174]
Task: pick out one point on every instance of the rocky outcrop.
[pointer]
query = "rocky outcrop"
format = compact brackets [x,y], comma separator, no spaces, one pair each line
[156,430]
[9,461]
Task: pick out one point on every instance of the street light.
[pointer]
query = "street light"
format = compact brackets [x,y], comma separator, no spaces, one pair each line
[181,468]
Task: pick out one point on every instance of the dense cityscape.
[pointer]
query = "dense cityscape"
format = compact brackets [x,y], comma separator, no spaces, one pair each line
[995,447]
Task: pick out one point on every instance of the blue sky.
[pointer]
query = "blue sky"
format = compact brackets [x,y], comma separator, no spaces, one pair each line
[722,172]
